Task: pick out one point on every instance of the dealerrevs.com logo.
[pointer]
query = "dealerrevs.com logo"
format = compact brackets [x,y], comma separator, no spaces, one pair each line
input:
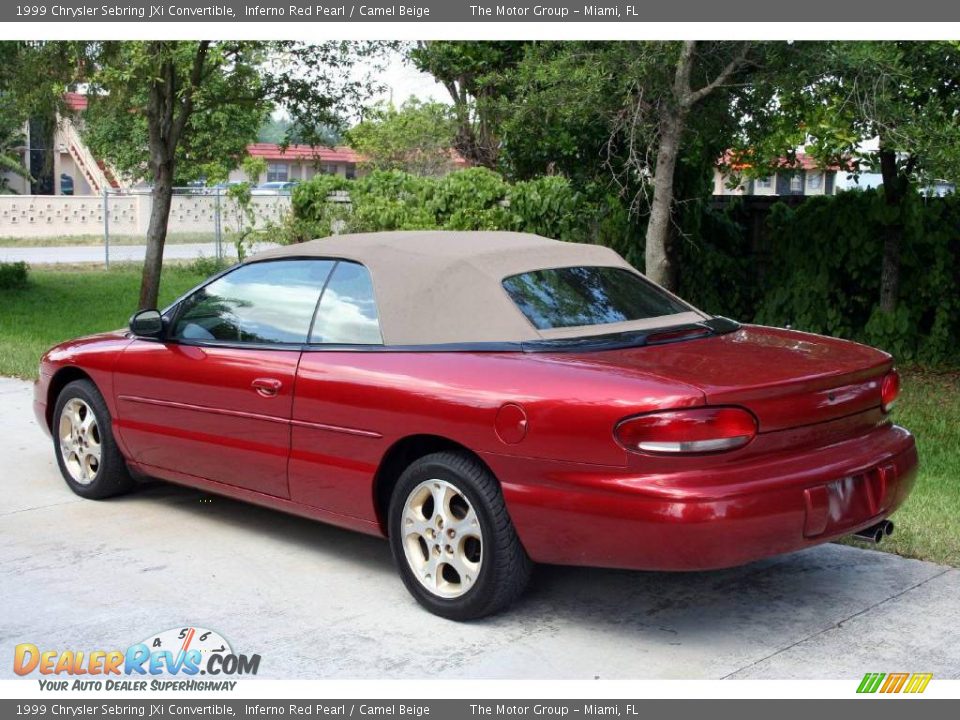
[171,660]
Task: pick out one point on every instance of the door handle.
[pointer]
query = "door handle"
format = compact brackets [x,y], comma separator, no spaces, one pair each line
[267,387]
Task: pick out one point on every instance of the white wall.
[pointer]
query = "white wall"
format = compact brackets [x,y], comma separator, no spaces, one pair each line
[720,187]
[38,216]
[298,170]
[17,184]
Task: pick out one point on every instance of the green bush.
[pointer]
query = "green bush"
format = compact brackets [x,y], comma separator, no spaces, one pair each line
[716,266]
[825,273]
[472,199]
[13,275]
[819,270]
[208,266]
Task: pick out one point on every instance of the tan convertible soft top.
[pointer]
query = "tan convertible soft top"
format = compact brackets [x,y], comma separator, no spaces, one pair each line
[445,287]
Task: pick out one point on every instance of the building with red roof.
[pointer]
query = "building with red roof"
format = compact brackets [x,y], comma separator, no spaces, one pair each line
[77,171]
[301,162]
[799,175]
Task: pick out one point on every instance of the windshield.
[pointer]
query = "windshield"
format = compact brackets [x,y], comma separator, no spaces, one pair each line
[578,296]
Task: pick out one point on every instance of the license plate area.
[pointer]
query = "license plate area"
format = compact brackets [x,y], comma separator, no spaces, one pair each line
[847,502]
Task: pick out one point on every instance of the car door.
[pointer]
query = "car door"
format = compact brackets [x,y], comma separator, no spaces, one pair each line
[212,398]
[336,440]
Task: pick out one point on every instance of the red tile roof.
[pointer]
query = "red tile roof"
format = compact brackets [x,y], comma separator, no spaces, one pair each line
[75,101]
[739,161]
[270,151]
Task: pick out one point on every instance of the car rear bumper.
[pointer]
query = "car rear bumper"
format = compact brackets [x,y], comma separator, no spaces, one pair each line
[703,519]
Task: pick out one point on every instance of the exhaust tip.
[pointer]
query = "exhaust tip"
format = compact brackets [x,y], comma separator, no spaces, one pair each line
[875,533]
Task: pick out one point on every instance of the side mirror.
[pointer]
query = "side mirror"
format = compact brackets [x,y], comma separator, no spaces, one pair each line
[146,323]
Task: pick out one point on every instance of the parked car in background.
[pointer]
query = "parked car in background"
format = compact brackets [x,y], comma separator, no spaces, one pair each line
[275,188]
[222,187]
[485,400]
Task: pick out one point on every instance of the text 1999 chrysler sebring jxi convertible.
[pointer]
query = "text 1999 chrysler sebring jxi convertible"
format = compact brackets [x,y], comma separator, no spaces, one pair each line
[486,400]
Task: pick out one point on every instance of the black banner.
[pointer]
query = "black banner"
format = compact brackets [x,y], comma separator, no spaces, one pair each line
[555,11]
[878,709]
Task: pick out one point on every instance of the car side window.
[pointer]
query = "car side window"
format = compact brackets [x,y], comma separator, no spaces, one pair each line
[268,302]
[348,309]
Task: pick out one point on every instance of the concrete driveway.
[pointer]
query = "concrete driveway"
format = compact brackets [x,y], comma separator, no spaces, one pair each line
[315,601]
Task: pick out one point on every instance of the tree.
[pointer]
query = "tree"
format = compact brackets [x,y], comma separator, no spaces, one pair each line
[557,116]
[476,75]
[162,88]
[26,95]
[620,115]
[417,138]
[189,95]
[887,107]
[212,142]
[693,81]
[280,130]
[12,141]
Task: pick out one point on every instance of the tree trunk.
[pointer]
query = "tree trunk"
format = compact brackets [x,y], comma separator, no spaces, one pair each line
[169,106]
[162,196]
[894,191]
[658,265]
[673,123]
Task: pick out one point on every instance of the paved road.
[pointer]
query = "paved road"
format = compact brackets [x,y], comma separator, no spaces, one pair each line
[315,601]
[118,253]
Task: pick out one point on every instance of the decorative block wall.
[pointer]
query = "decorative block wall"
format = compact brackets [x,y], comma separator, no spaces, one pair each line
[40,216]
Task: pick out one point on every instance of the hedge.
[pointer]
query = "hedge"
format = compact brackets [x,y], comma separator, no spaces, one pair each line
[818,270]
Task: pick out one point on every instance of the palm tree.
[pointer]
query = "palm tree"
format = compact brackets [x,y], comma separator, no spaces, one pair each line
[12,142]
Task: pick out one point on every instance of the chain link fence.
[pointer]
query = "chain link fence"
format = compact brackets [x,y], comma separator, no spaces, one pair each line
[199,216]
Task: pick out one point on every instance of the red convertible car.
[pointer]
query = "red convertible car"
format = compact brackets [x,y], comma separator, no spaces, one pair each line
[487,400]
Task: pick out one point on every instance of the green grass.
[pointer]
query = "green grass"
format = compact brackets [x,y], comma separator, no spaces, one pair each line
[59,304]
[97,240]
[928,524]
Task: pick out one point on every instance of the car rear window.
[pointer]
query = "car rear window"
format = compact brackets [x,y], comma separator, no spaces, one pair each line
[575,296]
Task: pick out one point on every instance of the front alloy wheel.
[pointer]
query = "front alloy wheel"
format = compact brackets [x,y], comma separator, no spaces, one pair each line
[87,454]
[452,539]
[79,437]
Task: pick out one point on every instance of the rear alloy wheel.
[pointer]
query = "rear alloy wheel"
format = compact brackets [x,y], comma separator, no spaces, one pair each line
[83,441]
[442,539]
[452,539]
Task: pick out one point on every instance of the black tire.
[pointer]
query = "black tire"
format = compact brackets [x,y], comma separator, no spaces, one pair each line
[505,567]
[111,476]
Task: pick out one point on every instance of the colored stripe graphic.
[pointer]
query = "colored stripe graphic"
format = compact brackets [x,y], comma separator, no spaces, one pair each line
[918,682]
[870,682]
[894,682]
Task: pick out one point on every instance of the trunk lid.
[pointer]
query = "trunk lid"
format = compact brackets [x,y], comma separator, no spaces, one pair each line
[786,378]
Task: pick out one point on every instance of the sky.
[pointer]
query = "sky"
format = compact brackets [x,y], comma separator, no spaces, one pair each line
[404,80]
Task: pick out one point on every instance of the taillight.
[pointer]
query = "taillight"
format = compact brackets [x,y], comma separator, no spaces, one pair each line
[697,430]
[889,390]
